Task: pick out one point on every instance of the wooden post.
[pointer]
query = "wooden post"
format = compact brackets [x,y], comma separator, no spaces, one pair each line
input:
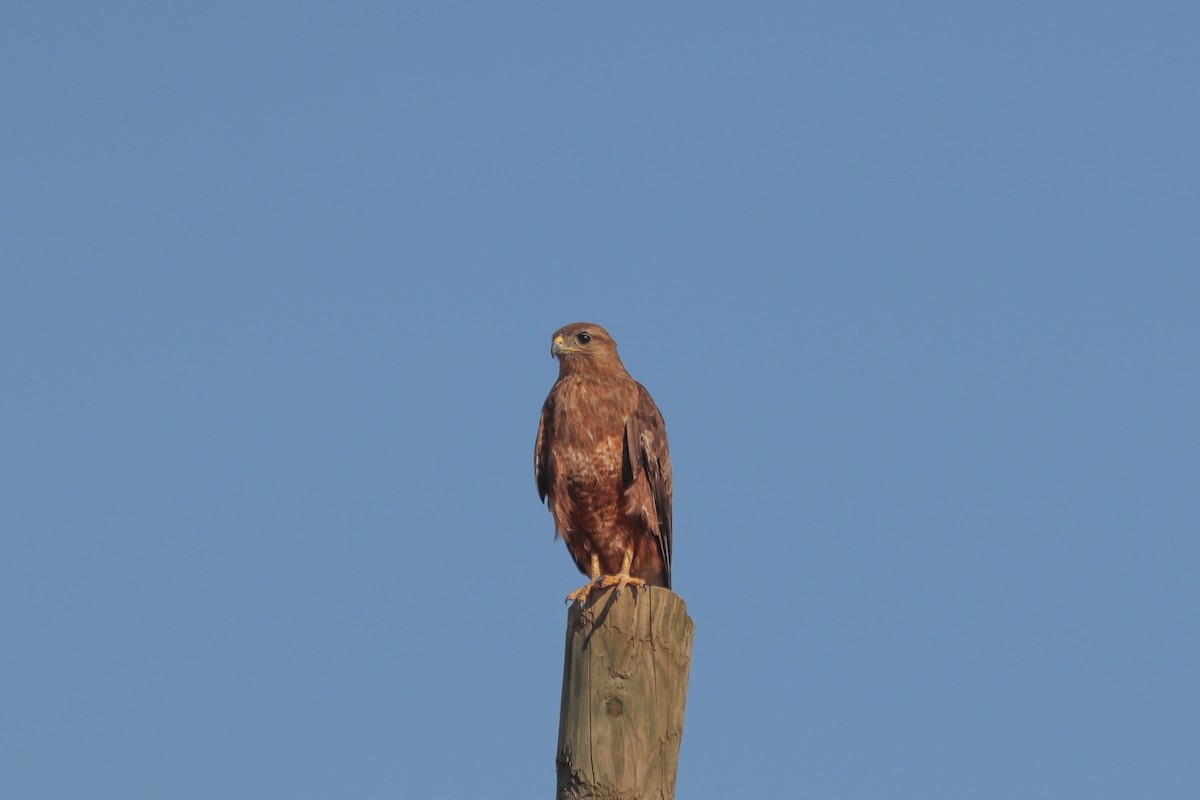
[625,678]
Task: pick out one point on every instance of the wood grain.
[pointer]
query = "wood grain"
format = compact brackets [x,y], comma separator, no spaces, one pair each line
[625,679]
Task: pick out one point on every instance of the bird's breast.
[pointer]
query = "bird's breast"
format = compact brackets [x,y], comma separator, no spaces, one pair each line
[593,464]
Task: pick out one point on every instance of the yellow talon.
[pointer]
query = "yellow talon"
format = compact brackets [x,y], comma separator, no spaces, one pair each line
[581,594]
[598,581]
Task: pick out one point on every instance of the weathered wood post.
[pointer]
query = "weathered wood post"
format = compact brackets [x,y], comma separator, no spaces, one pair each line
[625,679]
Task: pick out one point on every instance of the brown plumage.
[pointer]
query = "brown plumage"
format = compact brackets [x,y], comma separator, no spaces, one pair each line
[603,466]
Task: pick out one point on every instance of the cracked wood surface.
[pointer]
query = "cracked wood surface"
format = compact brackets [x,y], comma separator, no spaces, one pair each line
[625,678]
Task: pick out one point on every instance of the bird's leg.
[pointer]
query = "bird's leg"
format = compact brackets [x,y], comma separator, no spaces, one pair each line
[581,594]
[623,578]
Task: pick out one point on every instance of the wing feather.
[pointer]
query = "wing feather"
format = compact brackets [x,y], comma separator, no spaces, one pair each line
[647,452]
[541,458]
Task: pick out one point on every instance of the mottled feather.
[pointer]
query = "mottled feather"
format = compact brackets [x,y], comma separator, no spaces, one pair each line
[602,462]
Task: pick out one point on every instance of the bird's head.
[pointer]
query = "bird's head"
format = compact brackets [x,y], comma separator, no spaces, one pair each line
[583,346]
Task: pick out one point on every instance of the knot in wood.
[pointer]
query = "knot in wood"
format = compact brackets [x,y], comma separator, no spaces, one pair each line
[614,706]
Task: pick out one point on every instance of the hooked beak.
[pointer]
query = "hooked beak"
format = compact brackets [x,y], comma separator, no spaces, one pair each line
[560,346]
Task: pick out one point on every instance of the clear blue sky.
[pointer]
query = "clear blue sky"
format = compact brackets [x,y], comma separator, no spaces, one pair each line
[915,285]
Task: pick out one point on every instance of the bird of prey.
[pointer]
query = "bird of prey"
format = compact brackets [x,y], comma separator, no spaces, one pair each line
[603,467]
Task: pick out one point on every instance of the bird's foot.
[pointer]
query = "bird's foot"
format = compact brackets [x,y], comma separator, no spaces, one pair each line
[603,582]
[620,581]
[581,594]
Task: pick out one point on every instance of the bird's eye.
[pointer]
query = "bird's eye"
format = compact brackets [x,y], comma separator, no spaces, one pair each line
[584,338]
